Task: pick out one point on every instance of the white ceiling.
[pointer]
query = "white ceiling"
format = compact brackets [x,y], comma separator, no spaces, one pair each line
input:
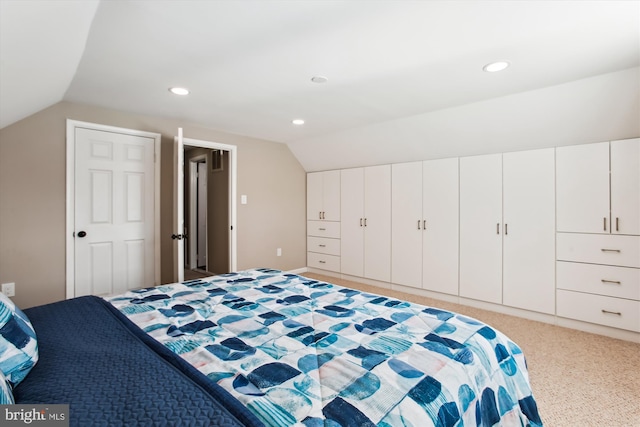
[249,63]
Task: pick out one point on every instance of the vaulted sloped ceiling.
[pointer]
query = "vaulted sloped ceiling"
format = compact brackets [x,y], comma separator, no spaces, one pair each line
[41,45]
[392,66]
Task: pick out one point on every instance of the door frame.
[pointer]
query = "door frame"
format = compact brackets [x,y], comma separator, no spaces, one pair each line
[178,252]
[70,195]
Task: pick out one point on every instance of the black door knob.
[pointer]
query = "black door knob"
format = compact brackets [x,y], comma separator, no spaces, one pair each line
[82,233]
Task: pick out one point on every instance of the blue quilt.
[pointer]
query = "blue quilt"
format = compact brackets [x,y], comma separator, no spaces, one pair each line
[297,351]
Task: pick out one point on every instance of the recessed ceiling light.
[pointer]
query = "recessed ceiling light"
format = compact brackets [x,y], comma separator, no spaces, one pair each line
[179,91]
[496,66]
[319,79]
[297,122]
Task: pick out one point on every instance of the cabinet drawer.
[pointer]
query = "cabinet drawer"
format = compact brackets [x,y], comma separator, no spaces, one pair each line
[323,245]
[620,282]
[608,311]
[323,229]
[599,249]
[323,261]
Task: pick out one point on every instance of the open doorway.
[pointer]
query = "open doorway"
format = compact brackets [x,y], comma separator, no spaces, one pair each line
[196,204]
[222,165]
[206,211]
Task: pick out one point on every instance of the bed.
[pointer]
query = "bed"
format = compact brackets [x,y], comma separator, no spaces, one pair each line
[266,347]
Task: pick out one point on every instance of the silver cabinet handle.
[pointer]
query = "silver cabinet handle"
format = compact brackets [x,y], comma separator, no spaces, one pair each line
[424,224]
[418,224]
[605,223]
[506,229]
[323,246]
[617,313]
[365,222]
[611,250]
[617,224]
[615,282]
[360,222]
[322,229]
[322,262]
[498,228]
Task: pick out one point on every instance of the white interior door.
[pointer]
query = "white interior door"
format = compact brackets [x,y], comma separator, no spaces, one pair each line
[114,219]
[178,204]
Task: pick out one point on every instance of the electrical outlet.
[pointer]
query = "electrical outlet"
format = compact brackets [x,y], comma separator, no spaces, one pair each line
[279,252]
[9,289]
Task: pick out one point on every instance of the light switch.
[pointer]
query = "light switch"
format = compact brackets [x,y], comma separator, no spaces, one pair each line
[243,199]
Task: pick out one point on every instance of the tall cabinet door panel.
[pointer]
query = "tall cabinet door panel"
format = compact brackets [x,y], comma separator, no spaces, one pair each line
[481,227]
[406,224]
[582,188]
[314,195]
[377,223]
[529,230]
[625,186]
[331,195]
[352,222]
[440,235]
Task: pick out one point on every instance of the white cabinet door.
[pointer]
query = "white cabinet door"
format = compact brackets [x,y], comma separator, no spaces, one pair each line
[352,222]
[625,186]
[406,224]
[440,227]
[314,195]
[582,188]
[323,196]
[331,196]
[481,227]
[529,230]
[377,223]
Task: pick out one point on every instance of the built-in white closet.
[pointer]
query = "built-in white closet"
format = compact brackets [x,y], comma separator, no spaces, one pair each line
[551,234]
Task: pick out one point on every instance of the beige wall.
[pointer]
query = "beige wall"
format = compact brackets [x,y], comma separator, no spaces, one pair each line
[32,198]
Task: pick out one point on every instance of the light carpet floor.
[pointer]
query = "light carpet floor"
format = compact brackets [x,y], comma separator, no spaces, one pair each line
[578,379]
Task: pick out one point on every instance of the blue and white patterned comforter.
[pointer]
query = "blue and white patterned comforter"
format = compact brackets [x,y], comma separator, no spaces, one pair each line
[297,351]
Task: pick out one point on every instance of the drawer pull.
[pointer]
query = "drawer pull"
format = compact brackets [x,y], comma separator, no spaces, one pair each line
[324,229]
[611,250]
[617,313]
[615,282]
[324,246]
[324,262]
